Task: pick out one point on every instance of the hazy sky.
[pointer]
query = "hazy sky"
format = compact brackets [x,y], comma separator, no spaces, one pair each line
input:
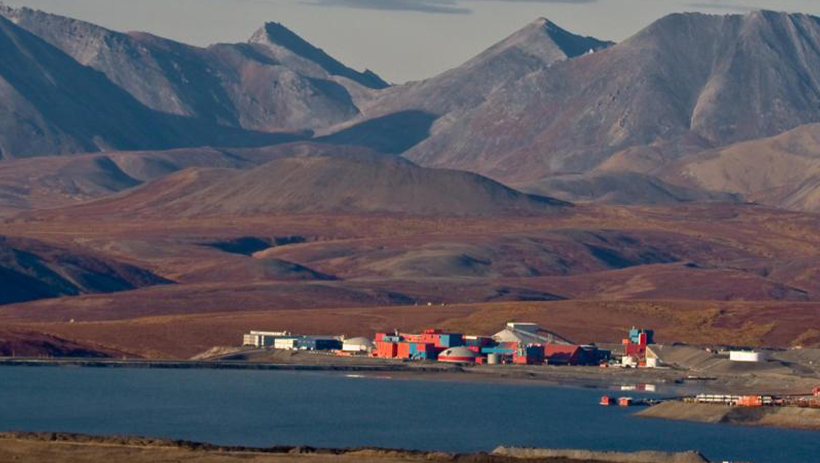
[399,39]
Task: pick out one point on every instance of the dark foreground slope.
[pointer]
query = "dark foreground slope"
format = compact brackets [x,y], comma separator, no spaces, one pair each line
[33,270]
[362,183]
[15,342]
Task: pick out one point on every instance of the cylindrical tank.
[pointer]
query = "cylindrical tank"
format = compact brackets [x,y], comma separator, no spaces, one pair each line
[493,359]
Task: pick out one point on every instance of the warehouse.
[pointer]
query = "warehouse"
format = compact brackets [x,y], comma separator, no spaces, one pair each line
[528,333]
[263,338]
[308,343]
[557,354]
[357,345]
[745,356]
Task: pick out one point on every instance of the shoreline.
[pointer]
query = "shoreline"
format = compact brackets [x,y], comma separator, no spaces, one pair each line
[30,446]
[205,364]
[795,418]
[628,380]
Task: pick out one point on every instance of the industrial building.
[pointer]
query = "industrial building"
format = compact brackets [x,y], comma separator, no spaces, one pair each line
[635,346]
[528,333]
[358,345]
[263,338]
[745,356]
[289,341]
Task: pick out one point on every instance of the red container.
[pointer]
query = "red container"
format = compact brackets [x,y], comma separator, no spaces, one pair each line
[750,401]
[386,349]
[403,350]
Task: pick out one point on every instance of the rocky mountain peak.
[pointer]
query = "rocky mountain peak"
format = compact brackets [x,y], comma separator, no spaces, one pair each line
[289,46]
[546,40]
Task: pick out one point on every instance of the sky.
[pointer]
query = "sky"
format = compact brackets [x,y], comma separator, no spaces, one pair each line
[401,40]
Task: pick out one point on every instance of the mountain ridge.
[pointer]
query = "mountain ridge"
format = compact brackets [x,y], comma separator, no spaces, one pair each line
[189,91]
[274,33]
[673,83]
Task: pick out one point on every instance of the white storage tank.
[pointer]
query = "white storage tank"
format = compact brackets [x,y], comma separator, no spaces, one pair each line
[744,356]
[460,354]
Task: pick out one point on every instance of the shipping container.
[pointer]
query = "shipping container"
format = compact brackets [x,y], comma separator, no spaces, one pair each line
[450,340]
[478,341]
[403,350]
[385,349]
[497,350]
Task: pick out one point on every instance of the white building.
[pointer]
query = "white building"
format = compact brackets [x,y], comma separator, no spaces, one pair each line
[652,358]
[528,333]
[263,338]
[286,343]
[629,361]
[745,356]
[532,328]
[357,345]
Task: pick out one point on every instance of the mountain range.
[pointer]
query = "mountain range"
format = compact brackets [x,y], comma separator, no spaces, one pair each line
[644,121]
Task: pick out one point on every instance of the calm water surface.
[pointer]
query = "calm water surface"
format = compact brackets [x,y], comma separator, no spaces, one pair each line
[264,408]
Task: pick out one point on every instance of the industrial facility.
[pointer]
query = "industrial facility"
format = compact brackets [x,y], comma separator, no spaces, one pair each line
[517,343]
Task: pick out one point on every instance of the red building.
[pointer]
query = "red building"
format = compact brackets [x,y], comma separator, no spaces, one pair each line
[560,354]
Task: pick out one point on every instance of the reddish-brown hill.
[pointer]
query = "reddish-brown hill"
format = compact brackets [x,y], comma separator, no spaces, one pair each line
[340,184]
